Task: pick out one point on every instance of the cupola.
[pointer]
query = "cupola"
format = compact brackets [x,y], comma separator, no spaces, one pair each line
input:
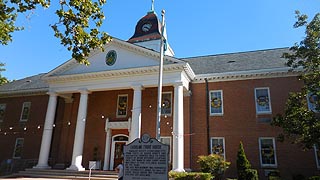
[148,33]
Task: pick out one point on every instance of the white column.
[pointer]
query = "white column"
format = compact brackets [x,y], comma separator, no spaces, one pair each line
[107,148]
[47,132]
[76,163]
[136,113]
[178,140]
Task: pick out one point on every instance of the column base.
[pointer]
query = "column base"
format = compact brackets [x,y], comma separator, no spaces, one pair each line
[41,166]
[75,168]
[178,170]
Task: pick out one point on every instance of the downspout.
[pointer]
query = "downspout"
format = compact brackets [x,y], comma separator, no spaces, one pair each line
[207,115]
[190,121]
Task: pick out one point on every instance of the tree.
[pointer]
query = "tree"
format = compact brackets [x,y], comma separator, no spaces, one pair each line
[244,167]
[77,27]
[300,121]
[3,80]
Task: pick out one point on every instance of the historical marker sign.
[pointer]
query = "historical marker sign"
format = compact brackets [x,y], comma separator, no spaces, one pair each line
[146,159]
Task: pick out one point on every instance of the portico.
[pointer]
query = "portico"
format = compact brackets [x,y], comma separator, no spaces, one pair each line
[73,78]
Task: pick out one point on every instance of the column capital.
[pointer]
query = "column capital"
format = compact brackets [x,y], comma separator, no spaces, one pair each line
[137,87]
[178,83]
[52,93]
[84,91]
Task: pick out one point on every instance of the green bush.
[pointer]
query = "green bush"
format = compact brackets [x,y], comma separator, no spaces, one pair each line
[251,174]
[298,177]
[190,176]
[314,178]
[245,172]
[214,164]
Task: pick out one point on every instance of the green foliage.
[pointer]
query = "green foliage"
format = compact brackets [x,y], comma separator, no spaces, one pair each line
[77,27]
[314,178]
[300,124]
[251,174]
[242,161]
[3,80]
[298,177]
[190,175]
[214,164]
[244,167]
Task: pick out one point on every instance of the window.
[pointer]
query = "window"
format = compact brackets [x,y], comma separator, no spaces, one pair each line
[2,111]
[122,105]
[262,98]
[312,102]
[217,146]
[216,102]
[267,152]
[25,111]
[17,153]
[317,155]
[166,107]
[167,140]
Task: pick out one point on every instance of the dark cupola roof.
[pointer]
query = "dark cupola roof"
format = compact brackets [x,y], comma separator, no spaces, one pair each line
[148,28]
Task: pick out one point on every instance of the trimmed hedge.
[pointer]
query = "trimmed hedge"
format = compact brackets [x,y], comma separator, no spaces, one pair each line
[314,178]
[190,176]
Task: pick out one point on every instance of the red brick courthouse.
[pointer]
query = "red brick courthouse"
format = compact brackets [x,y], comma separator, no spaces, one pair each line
[75,114]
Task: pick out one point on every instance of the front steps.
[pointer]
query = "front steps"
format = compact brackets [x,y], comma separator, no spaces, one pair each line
[65,174]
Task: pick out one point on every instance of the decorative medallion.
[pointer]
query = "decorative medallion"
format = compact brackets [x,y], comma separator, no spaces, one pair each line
[111,57]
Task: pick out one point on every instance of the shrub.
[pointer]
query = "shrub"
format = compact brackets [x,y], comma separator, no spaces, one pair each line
[298,177]
[190,176]
[214,164]
[314,178]
[244,167]
[251,174]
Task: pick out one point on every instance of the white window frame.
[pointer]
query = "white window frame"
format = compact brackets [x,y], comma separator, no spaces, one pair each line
[162,104]
[256,103]
[15,148]
[274,152]
[212,113]
[117,111]
[170,145]
[25,105]
[223,145]
[316,150]
[3,107]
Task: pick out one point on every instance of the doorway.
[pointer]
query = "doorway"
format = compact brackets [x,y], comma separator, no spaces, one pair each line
[118,142]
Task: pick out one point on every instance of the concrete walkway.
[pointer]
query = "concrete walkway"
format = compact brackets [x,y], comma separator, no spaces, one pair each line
[32,179]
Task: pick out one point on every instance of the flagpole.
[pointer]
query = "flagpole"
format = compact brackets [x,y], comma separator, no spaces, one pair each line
[160,78]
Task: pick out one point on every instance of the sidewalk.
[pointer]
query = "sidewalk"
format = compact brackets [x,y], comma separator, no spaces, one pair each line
[20,178]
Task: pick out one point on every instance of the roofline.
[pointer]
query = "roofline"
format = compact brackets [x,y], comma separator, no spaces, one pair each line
[25,92]
[251,74]
[242,52]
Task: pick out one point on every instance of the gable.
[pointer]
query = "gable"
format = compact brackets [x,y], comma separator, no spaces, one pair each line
[128,56]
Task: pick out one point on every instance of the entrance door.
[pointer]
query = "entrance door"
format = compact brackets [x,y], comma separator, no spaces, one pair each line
[118,153]
[118,142]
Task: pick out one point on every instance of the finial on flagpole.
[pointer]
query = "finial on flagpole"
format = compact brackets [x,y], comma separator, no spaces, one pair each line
[152,5]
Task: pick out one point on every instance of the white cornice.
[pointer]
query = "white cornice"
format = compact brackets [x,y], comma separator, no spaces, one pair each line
[244,75]
[114,74]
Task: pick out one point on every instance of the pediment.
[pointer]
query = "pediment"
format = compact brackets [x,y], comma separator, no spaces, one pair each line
[122,55]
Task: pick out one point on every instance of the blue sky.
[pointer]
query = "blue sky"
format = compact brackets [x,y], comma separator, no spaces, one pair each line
[194,28]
